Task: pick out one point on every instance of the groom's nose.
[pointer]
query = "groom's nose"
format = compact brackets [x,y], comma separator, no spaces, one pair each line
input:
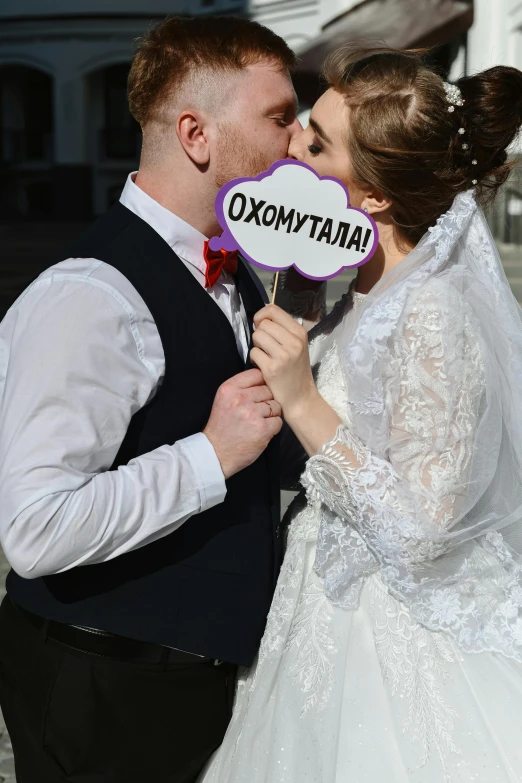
[295,129]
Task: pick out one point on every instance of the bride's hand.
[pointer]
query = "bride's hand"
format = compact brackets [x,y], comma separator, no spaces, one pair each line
[281,353]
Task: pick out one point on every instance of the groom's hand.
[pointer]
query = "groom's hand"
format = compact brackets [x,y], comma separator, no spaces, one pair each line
[240,426]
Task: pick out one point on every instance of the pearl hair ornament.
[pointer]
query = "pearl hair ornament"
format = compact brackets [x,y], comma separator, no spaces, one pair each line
[454,98]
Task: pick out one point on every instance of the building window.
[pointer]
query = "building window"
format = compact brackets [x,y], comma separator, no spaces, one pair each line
[26,115]
[121,132]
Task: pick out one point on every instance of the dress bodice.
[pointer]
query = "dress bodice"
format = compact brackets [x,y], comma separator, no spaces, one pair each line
[325,357]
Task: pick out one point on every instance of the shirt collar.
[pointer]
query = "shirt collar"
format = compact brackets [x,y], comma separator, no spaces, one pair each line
[185,240]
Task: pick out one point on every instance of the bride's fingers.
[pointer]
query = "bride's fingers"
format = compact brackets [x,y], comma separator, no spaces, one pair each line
[259,358]
[266,342]
[274,313]
[280,333]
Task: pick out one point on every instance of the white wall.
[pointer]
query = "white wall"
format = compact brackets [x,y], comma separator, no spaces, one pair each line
[298,21]
[496,36]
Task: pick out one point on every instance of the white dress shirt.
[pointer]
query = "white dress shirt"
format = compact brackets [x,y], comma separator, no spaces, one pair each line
[79,355]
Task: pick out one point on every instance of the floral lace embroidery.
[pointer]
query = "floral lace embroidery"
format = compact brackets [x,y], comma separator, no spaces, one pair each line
[282,609]
[288,583]
[303,521]
[402,529]
[413,661]
[368,497]
[330,382]
[378,322]
[343,560]
[429,411]
[461,608]
[440,386]
[402,507]
[308,637]
[311,644]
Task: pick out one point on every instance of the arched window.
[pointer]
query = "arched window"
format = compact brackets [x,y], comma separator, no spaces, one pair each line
[121,132]
[26,115]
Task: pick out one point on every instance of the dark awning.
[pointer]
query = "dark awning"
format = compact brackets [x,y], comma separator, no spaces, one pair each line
[398,23]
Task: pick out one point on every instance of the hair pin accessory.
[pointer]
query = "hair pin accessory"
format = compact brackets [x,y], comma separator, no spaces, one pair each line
[453,96]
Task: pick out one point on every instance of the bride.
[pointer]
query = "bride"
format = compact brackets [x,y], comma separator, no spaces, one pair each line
[393,649]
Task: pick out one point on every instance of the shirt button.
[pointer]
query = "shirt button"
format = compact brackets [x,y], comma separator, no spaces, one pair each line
[277,532]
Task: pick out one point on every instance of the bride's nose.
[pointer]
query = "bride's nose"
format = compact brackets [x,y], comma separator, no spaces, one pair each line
[296,147]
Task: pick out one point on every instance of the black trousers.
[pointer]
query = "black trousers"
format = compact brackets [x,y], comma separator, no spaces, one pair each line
[80,718]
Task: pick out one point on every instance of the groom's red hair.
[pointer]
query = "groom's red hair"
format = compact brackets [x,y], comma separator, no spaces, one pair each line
[177,47]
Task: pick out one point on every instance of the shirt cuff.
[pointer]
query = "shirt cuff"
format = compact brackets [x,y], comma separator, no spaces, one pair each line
[207,469]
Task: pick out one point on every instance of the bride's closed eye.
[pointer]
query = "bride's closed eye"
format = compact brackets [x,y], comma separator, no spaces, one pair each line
[313,149]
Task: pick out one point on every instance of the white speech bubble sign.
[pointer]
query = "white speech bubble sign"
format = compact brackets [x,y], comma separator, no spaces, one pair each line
[290,216]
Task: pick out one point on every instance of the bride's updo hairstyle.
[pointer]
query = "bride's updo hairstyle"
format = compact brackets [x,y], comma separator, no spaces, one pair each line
[404,139]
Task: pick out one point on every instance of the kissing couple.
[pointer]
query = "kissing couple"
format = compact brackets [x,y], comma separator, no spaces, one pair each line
[161,624]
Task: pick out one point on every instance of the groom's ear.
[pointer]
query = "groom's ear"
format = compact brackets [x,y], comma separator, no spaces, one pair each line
[375,201]
[193,130]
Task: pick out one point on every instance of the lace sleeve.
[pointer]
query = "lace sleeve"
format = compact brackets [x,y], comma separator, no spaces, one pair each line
[402,503]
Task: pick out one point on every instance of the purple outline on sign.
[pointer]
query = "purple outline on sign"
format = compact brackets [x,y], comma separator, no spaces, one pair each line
[227,242]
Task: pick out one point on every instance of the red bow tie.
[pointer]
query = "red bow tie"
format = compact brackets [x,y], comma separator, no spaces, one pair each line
[216,261]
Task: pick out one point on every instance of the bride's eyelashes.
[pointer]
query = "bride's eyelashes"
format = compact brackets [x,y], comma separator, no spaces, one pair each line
[313,149]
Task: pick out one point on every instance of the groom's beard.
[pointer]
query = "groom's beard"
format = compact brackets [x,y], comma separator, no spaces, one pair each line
[237,158]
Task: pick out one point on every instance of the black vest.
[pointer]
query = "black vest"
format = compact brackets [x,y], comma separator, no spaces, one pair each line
[207,587]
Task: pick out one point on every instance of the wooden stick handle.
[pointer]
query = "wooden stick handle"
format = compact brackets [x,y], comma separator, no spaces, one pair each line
[275,287]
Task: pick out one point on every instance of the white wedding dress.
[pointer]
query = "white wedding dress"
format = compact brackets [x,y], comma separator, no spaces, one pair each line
[366,694]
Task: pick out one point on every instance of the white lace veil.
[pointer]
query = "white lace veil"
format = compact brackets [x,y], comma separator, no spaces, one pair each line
[452,554]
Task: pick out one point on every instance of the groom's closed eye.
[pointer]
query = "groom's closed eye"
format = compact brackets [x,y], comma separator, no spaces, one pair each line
[284,114]
[282,121]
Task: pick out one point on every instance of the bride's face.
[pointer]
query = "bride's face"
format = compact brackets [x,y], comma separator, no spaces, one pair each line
[322,144]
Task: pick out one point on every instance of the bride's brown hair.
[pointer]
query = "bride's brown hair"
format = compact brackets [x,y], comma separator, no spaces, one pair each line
[403,140]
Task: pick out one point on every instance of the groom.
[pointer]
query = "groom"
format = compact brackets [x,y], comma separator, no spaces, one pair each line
[139,503]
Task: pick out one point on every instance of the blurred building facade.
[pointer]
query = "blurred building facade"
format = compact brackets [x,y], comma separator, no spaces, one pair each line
[67,139]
